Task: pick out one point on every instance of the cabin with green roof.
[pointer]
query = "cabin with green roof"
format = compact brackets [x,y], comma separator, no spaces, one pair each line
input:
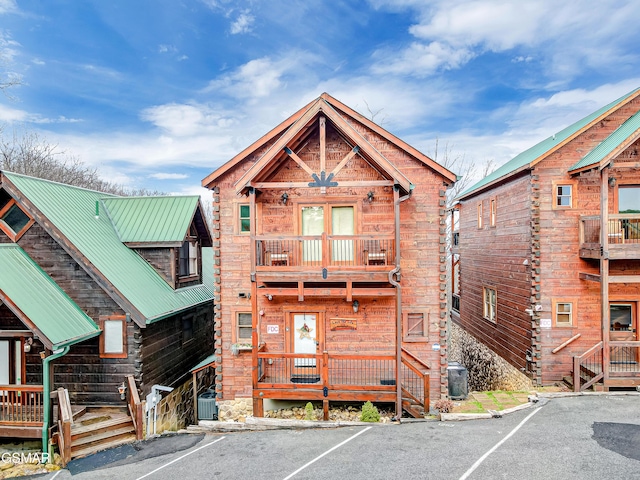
[101,295]
[547,254]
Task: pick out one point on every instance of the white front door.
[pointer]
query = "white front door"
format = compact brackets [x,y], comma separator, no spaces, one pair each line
[305,334]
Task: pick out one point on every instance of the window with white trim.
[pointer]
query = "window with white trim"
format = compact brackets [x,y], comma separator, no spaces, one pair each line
[489,304]
[564,195]
[188,258]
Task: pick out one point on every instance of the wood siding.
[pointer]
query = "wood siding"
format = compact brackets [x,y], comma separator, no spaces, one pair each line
[553,241]
[422,248]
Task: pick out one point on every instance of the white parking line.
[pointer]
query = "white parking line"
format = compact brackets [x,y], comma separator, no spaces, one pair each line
[180,458]
[496,446]
[326,453]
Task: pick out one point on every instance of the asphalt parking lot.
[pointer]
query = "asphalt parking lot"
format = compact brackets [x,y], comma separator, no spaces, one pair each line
[585,437]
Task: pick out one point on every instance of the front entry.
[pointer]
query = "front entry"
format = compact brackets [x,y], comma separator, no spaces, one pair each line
[623,328]
[304,337]
[11,362]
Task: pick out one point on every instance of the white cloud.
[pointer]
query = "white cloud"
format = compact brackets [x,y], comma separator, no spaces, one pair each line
[167,49]
[261,77]
[565,37]
[169,176]
[8,6]
[243,24]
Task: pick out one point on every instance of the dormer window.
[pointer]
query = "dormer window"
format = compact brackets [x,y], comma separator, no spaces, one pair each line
[189,258]
[13,221]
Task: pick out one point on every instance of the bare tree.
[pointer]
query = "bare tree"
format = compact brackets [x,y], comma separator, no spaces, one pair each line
[34,156]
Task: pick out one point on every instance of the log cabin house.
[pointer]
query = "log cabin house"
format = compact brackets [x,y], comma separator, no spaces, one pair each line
[548,254]
[330,267]
[101,296]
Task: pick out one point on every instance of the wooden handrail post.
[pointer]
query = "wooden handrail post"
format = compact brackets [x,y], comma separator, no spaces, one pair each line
[325,368]
[576,374]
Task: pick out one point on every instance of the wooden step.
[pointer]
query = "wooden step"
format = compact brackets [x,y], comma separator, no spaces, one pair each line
[412,408]
[99,437]
[78,430]
[91,449]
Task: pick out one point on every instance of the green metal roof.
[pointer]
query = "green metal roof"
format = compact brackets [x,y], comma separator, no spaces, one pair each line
[524,159]
[72,211]
[57,317]
[618,137]
[152,219]
[204,363]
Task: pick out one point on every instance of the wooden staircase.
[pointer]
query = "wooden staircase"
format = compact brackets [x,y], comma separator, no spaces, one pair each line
[99,430]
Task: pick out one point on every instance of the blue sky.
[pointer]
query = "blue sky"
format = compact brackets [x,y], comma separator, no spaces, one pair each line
[158,94]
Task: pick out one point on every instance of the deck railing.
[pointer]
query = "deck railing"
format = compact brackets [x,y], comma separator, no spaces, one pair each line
[135,407]
[21,405]
[325,251]
[587,368]
[624,358]
[65,419]
[621,229]
[345,372]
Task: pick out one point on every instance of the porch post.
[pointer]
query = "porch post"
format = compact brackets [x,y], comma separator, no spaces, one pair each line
[258,410]
[604,270]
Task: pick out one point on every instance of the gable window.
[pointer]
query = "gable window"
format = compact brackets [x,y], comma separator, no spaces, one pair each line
[244,217]
[113,341]
[13,221]
[492,213]
[489,304]
[188,258]
[564,196]
[564,314]
[243,328]
[415,326]
[480,215]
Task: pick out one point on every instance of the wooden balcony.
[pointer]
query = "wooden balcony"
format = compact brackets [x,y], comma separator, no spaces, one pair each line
[341,377]
[623,237]
[359,258]
[21,411]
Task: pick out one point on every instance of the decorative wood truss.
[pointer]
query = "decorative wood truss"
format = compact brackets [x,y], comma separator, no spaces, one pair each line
[295,137]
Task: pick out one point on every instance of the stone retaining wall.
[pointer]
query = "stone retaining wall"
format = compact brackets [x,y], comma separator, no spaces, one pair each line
[175,411]
[486,369]
[237,409]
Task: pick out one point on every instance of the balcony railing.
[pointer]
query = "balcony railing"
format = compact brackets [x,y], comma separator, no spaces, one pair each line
[21,405]
[621,229]
[325,251]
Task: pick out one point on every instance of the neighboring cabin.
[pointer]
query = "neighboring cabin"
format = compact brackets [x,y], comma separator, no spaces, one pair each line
[110,286]
[330,266]
[548,254]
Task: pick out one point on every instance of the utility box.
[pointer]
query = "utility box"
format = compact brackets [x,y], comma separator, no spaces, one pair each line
[458,381]
[207,408]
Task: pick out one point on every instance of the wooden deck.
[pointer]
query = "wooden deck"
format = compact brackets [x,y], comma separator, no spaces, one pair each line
[340,377]
[623,237]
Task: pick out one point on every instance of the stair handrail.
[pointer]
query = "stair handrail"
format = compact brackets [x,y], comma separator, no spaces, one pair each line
[565,343]
[424,375]
[65,419]
[135,407]
[577,365]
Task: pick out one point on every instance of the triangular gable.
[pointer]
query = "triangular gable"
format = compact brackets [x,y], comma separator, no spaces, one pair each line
[350,134]
[68,214]
[153,221]
[532,156]
[625,135]
[296,126]
[54,317]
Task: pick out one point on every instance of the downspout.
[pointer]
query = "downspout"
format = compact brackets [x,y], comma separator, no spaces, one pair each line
[396,273]
[47,394]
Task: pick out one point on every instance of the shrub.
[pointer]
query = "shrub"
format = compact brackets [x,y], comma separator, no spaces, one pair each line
[308,412]
[443,406]
[369,413]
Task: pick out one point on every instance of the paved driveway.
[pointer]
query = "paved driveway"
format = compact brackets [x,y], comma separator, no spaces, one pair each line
[587,437]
